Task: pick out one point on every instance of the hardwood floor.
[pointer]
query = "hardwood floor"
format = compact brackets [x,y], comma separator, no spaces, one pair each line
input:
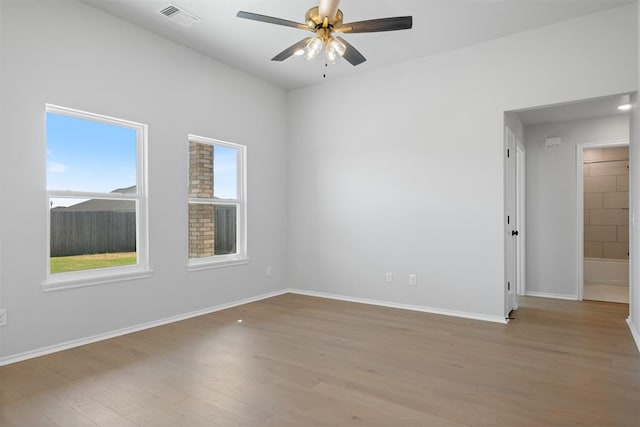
[604,292]
[303,361]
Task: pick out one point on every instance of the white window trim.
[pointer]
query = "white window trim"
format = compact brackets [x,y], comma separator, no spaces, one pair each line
[241,256]
[98,276]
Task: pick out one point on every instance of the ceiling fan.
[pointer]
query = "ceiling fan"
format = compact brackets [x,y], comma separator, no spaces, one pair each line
[325,20]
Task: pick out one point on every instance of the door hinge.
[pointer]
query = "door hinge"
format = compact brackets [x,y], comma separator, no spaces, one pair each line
[508,286]
[508,220]
[508,153]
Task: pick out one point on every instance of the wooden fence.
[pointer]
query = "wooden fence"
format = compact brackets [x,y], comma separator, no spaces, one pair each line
[225,230]
[98,232]
[95,232]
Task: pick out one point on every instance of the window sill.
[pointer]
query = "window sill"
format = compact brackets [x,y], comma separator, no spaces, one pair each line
[198,265]
[80,282]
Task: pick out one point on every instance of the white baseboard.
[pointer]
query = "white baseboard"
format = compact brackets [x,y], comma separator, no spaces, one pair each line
[550,295]
[112,334]
[634,332]
[424,309]
[123,331]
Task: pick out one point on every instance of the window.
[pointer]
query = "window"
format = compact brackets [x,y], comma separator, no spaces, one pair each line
[217,203]
[97,225]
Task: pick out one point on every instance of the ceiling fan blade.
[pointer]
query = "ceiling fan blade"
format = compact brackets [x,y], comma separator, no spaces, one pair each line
[376,25]
[328,8]
[272,20]
[351,54]
[291,50]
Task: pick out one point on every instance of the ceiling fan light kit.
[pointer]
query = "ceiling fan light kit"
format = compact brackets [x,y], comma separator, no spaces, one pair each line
[313,48]
[332,47]
[335,50]
[324,21]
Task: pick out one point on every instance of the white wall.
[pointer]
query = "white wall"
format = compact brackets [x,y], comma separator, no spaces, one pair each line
[2,304]
[634,198]
[552,222]
[70,54]
[401,169]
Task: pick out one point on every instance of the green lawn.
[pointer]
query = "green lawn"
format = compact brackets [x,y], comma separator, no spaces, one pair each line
[87,262]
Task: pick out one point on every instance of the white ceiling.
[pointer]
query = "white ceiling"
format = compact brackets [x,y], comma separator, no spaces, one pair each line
[588,109]
[438,26]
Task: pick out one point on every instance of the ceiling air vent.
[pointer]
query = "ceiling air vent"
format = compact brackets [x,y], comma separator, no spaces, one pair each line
[179,16]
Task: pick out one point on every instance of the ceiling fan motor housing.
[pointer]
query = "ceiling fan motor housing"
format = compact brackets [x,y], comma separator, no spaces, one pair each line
[314,20]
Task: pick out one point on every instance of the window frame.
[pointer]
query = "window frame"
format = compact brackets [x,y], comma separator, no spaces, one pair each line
[241,256]
[96,276]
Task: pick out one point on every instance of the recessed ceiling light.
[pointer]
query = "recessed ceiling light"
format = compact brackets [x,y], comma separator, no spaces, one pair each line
[625,104]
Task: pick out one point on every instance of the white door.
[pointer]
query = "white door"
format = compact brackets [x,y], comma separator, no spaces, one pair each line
[511,232]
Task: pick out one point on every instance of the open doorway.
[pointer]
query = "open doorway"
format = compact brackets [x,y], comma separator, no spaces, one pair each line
[603,204]
[554,230]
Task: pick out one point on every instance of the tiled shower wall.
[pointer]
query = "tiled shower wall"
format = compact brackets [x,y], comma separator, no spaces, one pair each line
[606,203]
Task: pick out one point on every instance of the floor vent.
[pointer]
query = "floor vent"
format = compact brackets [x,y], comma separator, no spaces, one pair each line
[179,16]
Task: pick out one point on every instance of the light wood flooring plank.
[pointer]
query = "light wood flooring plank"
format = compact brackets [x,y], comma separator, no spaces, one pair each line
[303,361]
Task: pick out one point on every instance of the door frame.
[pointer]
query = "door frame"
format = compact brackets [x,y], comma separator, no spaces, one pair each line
[580,204]
[521,254]
[510,222]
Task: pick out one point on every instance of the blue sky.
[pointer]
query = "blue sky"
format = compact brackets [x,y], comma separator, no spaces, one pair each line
[85,155]
[225,172]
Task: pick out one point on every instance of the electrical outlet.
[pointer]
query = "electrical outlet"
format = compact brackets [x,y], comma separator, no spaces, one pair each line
[269,271]
[413,280]
[3,317]
[389,278]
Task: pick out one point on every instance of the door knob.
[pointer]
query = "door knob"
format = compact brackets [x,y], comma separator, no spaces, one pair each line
[514,232]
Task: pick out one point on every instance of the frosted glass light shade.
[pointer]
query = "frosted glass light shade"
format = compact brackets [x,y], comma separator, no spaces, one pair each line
[335,50]
[314,47]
